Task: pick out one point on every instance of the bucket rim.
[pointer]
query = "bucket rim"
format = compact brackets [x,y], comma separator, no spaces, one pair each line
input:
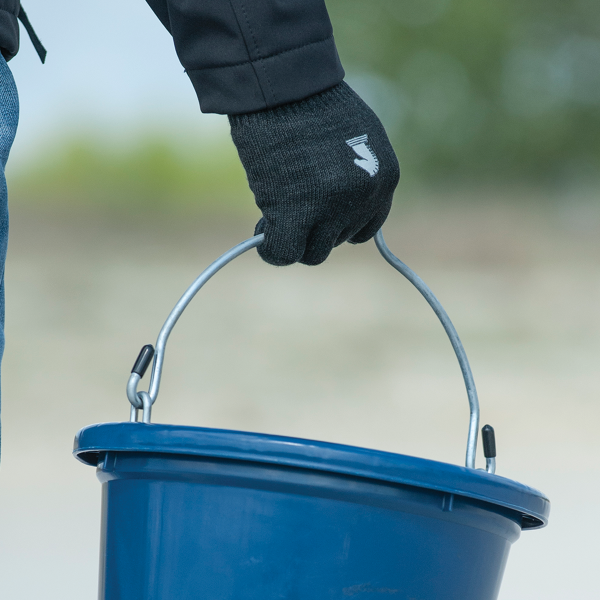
[94,440]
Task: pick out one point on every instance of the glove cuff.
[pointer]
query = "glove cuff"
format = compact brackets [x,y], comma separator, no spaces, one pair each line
[334,96]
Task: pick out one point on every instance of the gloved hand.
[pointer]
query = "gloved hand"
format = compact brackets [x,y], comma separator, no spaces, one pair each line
[322,170]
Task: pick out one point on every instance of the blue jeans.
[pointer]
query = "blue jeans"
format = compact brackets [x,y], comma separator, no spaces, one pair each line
[9,117]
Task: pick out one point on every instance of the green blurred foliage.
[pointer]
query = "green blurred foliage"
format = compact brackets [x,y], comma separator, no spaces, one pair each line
[492,92]
[484,90]
[153,173]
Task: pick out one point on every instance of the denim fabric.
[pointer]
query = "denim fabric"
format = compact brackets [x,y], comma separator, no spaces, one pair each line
[9,117]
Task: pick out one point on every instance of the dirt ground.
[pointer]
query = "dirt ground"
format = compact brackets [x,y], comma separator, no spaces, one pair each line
[347,352]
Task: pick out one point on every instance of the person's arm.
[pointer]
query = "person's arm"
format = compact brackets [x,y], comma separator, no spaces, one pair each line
[9,28]
[248,55]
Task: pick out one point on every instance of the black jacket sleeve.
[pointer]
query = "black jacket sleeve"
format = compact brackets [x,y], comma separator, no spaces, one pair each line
[9,28]
[247,55]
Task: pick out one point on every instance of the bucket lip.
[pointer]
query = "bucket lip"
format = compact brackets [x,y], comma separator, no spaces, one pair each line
[93,440]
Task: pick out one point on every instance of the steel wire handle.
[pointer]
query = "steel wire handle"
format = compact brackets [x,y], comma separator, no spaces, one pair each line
[145,400]
[459,350]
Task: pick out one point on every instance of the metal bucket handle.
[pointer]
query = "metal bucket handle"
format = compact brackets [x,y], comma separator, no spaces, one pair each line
[145,400]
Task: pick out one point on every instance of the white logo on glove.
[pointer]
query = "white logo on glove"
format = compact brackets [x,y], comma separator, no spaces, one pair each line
[367,161]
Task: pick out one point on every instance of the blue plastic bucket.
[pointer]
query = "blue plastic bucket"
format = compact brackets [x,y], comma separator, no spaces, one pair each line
[193,513]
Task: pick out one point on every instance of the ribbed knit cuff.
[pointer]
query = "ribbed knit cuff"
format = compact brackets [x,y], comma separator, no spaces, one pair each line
[338,96]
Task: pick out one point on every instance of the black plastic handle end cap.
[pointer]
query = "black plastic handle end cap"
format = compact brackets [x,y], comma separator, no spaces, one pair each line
[143,360]
[489,441]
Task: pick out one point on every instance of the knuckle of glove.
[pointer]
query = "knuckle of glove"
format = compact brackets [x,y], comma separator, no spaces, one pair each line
[284,244]
[278,256]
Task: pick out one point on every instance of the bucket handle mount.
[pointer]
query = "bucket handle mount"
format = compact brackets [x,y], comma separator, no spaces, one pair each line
[141,400]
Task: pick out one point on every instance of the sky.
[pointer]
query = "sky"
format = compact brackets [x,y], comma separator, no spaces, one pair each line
[111,70]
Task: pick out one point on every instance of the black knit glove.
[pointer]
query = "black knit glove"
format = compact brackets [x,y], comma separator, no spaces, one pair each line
[322,170]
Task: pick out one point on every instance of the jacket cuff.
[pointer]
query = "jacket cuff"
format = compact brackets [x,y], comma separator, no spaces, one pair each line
[9,34]
[264,83]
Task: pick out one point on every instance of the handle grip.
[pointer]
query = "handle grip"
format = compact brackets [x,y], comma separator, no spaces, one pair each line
[142,362]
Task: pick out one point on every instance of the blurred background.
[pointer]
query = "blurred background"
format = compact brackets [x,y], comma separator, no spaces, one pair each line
[122,191]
